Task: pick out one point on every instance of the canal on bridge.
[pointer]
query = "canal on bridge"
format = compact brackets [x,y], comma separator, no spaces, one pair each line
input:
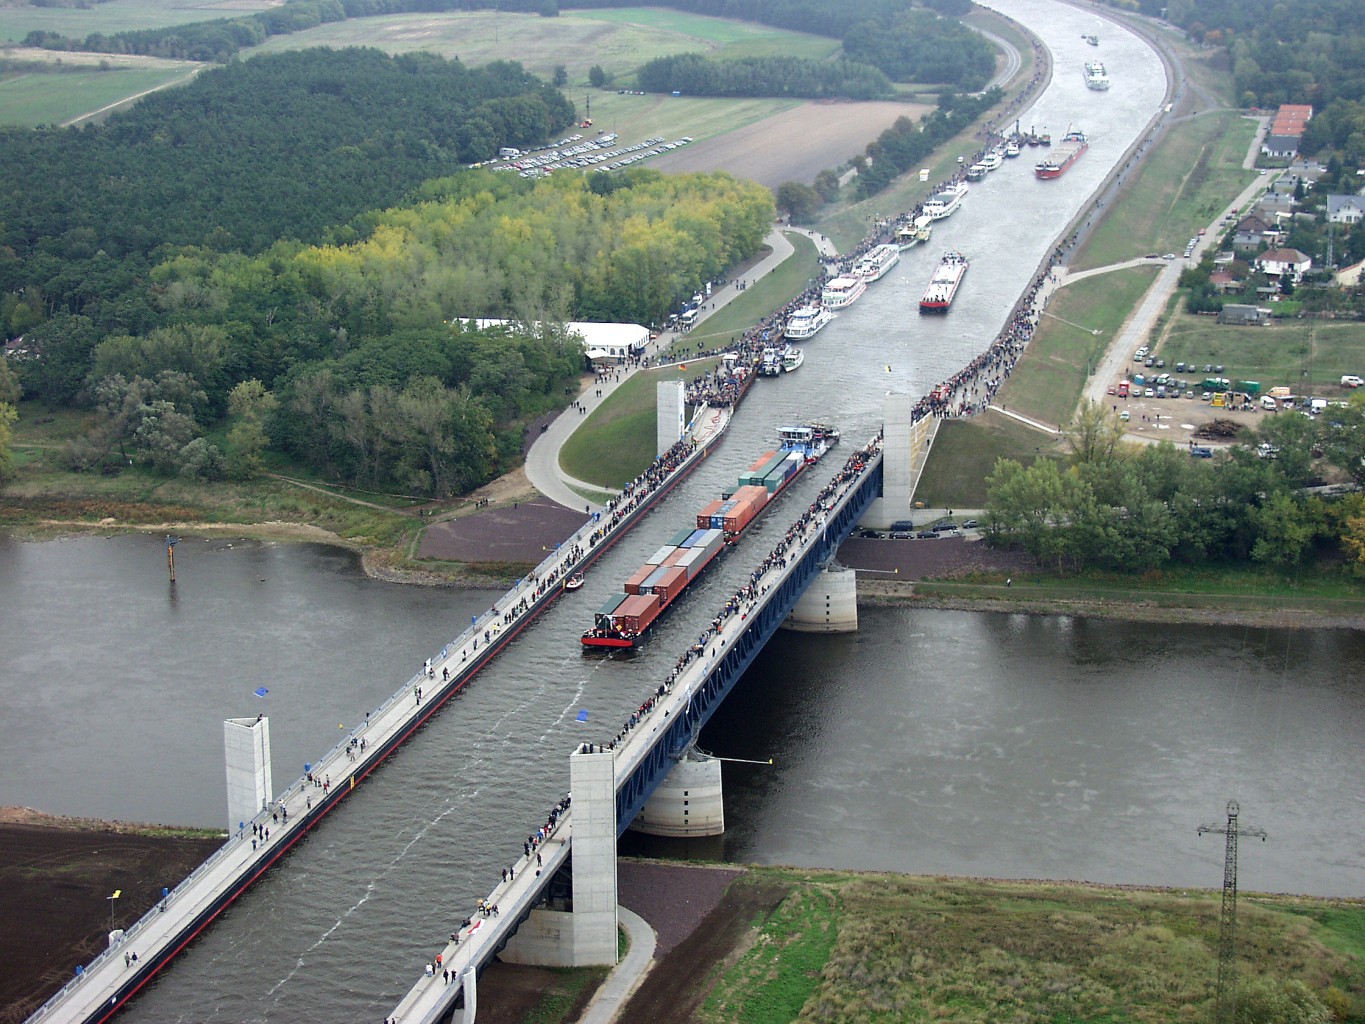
[341,930]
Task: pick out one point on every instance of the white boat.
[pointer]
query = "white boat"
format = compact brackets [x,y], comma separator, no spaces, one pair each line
[1095,76]
[874,265]
[992,160]
[915,234]
[976,172]
[792,359]
[771,365]
[1012,149]
[842,291]
[806,322]
[945,203]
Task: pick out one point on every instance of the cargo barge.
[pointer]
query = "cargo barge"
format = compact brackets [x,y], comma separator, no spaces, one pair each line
[1073,145]
[625,617]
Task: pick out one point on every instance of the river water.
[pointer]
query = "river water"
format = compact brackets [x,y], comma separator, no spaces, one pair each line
[928,742]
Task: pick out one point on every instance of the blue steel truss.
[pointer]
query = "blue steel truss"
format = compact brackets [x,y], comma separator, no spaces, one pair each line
[673,743]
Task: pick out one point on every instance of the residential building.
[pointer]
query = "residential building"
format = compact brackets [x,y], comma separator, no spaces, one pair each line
[1285,264]
[1345,209]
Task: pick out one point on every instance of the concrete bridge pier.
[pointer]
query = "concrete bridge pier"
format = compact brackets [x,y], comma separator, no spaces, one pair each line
[829,605]
[688,803]
[584,934]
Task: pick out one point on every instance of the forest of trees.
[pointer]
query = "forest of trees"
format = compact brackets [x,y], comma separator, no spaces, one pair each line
[343,354]
[696,75]
[905,144]
[278,146]
[1134,508]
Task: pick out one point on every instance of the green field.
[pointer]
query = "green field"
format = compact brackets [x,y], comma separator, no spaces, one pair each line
[110,16]
[759,299]
[1183,185]
[619,41]
[1047,384]
[1296,353]
[964,454]
[34,98]
[883,947]
[638,117]
[616,443]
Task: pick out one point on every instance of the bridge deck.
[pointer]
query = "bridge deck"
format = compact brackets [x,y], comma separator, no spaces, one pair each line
[649,741]
[105,984]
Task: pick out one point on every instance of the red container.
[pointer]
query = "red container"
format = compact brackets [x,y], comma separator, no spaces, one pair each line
[637,577]
[704,516]
[636,613]
[754,494]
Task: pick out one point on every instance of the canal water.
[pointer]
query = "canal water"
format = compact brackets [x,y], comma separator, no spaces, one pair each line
[929,741]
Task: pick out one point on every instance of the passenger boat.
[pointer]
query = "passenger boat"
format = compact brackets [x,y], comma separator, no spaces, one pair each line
[1012,149]
[792,359]
[625,618]
[1095,76]
[842,291]
[992,160]
[943,285]
[945,203]
[875,264]
[976,172]
[915,234]
[771,363]
[806,322]
[1069,150]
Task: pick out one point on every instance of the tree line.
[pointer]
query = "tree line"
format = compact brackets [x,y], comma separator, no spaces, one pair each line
[696,75]
[1137,508]
[289,145]
[356,358]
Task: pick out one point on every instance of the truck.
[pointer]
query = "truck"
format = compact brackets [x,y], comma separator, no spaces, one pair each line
[1250,387]
[1123,389]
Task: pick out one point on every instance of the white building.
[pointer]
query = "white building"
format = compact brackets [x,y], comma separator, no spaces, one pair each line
[603,343]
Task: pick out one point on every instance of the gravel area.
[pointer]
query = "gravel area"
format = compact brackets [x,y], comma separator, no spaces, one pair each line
[522,532]
[673,898]
[943,558]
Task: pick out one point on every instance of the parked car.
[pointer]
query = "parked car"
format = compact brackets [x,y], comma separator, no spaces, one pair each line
[927,535]
[900,535]
[902,525]
[970,524]
[1201,451]
[870,534]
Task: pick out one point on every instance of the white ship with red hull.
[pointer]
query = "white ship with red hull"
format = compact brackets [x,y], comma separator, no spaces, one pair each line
[1068,151]
[943,285]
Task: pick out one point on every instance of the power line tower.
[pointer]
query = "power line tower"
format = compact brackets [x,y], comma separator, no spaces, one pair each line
[1226,1012]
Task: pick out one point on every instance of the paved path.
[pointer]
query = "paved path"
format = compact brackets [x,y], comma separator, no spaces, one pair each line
[625,978]
[542,460]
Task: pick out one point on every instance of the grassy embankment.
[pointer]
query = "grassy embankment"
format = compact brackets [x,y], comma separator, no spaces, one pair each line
[37,97]
[846,946]
[616,442]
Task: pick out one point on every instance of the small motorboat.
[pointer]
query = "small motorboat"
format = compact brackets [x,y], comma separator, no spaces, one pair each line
[574,582]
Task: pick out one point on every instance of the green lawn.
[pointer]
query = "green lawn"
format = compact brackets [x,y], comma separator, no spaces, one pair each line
[1296,353]
[35,98]
[761,298]
[1047,382]
[964,454]
[1182,186]
[616,443]
[722,37]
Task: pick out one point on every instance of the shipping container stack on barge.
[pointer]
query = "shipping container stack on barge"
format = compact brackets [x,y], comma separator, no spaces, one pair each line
[627,616]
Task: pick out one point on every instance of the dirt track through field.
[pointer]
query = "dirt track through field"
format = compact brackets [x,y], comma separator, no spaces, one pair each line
[792,146]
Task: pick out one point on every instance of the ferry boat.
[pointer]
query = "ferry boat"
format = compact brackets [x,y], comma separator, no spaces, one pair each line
[647,593]
[842,291]
[976,172]
[1073,144]
[943,285]
[1095,76]
[992,160]
[1012,149]
[806,322]
[874,265]
[916,233]
[792,359]
[945,203]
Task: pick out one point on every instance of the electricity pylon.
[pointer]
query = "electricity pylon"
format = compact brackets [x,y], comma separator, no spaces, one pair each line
[1226,1011]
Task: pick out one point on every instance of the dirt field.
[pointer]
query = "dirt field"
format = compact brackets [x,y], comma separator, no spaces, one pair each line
[829,134]
[55,879]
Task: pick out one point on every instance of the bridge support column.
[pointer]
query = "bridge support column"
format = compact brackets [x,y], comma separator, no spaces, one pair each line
[586,935]
[905,447]
[829,605]
[246,746]
[688,803]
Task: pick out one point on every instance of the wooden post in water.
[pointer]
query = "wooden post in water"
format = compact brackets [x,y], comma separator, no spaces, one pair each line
[171,542]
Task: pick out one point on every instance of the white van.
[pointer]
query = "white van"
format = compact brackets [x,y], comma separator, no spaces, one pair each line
[1269,403]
